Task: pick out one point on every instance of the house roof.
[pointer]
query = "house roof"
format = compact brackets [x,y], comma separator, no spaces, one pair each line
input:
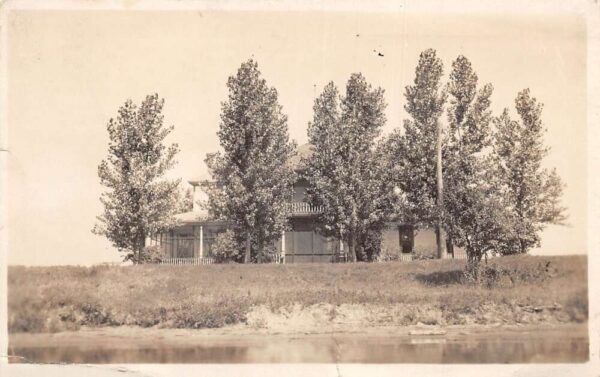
[197,180]
[192,216]
[302,152]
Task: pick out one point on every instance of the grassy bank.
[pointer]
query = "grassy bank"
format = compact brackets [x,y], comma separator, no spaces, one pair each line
[522,289]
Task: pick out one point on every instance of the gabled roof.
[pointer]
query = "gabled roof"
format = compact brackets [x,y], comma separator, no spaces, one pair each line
[197,180]
[303,151]
[192,216]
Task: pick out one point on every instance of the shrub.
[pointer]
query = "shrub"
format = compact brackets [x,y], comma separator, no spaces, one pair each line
[422,255]
[225,248]
[577,307]
[493,274]
[388,255]
[30,318]
[267,254]
[150,254]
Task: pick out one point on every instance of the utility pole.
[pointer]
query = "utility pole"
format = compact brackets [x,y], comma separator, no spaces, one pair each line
[440,235]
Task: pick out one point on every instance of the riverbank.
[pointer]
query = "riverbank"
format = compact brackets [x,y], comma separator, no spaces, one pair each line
[525,290]
[243,344]
[138,337]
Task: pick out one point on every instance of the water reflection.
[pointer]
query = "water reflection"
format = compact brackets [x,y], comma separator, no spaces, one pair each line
[328,349]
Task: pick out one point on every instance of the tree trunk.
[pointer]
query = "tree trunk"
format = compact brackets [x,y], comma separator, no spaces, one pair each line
[473,259]
[360,252]
[137,254]
[248,256]
[358,247]
[351,247]
[471,263]
[522,247]
[369,254]
[440,239]
[439,231]
[450,246]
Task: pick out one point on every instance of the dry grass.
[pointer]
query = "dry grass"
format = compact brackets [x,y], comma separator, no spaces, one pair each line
[520,289]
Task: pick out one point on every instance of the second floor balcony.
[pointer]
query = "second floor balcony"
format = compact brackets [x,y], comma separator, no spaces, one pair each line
[302,208]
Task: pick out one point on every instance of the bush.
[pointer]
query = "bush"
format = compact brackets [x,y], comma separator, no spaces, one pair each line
[493,274]
[577,307]
[151,254]
[388,255]
[30,318]
[225,248]
[422,255]
[267,255]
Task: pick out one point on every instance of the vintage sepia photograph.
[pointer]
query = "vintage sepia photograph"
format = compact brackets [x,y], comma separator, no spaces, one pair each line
[268,185]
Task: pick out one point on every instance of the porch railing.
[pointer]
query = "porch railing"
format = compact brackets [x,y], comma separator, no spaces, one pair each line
[187,261]
[302,208]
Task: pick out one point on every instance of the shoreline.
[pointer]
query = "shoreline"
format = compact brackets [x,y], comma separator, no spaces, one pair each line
[135,337]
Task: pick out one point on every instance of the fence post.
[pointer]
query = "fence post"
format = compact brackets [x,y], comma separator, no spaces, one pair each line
[282,256]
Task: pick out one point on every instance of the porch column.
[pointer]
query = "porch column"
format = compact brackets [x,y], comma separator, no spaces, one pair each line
[282,247]
[201,242]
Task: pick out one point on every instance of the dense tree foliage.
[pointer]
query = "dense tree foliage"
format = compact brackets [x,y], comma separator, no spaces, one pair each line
[225,248]
[343,171]
[534,192]
[474,200]
[413,152]
[252,176]
[139,201]
[497,196]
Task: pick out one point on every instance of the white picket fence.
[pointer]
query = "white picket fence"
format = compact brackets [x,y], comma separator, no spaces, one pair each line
[405,257]
[412,257]
[187,261]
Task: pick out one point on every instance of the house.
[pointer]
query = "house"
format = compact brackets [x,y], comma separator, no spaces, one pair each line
[190,242]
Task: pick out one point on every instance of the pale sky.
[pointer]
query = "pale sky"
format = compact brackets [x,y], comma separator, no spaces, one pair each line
[69,71]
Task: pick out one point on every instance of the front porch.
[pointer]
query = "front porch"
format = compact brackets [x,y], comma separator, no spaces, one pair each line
[191,242]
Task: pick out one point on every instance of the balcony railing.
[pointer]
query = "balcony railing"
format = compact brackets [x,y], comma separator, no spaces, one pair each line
[302,208]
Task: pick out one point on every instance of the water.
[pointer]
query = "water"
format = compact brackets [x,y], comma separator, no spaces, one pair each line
[538,347]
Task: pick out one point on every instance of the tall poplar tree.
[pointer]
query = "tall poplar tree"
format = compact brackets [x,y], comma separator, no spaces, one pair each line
[418,149]
[253,178]
[534,191]
[474,200]
[139,201]
[342,172]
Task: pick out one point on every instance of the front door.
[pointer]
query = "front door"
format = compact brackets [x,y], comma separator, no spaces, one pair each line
[185,247]
[304,245]
[407,238]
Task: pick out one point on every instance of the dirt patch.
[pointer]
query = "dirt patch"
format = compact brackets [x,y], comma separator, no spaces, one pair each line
[356,317]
